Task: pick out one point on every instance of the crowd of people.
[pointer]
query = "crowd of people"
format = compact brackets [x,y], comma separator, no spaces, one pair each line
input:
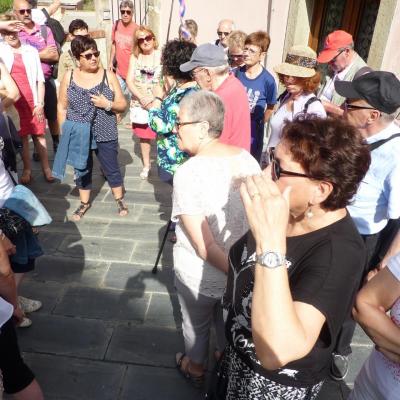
[287,207]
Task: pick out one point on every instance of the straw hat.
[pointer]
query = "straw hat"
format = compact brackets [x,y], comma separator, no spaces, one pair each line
[300,62]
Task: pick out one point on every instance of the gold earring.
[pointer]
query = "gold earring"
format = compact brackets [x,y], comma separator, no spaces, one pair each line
[309,213]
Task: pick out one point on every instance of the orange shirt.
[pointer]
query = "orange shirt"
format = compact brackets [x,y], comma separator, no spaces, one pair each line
[122,37]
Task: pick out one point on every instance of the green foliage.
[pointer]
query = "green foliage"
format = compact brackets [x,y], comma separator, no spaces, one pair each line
[5,5]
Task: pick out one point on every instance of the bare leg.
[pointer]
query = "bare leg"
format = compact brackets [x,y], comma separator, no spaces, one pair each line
[27,172]
[145,146]
[18,279]
[118,193]
[31,392]
[41,147]
[84,196]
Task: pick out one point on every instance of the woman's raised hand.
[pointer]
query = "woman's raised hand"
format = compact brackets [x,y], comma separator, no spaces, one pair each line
[267,211]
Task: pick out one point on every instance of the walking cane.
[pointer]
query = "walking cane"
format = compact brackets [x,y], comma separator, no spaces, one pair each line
[154,270]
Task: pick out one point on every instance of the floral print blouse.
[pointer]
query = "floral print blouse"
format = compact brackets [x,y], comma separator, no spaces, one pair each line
[162,121]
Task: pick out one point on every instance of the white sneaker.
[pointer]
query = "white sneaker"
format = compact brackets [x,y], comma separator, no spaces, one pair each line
[25,323]
[29,305]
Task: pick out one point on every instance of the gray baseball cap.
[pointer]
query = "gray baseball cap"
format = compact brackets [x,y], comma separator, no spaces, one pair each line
[205,55]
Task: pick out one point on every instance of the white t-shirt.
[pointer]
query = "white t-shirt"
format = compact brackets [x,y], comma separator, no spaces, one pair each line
[327,94]
[6,184]
[209,186]
[282,115]
[379,378]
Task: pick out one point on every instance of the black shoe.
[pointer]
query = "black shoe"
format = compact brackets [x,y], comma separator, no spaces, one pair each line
[55,147]
[339,367]
[35,157]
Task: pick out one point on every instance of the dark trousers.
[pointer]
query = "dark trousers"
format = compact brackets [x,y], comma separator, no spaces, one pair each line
[257,139]
[347,330]
[107,154]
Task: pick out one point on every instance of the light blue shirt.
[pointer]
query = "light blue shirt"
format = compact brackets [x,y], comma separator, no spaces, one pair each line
[378,196]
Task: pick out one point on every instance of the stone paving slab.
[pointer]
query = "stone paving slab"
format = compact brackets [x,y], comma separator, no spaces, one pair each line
[103,304]
[65,378]
[53,334]
[144,345]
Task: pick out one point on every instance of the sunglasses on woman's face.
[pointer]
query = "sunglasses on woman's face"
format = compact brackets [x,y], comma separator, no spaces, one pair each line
[147,38]
[127,12]
[277,171]
[89,56]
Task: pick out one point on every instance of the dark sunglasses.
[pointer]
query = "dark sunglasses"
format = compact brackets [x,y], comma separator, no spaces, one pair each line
[337,55]
[23,11]
[219,33]
[148,38]
[89,56]
[127,12]
[277,171]
[178,124]
[348,106]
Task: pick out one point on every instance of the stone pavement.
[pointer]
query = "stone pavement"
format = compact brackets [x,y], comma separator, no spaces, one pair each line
[109,328]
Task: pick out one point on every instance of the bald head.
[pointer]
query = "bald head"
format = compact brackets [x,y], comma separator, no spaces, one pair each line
[225,27]
[22,11]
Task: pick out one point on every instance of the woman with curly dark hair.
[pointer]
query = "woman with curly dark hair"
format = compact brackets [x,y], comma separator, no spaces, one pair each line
[165,107]
[301,80]
[293,276]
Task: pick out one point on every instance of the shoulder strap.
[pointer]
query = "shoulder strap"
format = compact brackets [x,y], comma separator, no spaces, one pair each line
[102,81]
[46,14]
[308,102]
[282,96]
[43,32]
[72,57]
[115,28]
[379,143]
[70,78]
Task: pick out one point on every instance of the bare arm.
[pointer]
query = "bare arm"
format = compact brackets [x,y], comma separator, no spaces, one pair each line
[62,104]
[283,330]
[112,55]
[10,94]
[268,112]
[49,54]
[377,296]
[7,282]
[137,92]
[202,239]
[332,109]
[53,7]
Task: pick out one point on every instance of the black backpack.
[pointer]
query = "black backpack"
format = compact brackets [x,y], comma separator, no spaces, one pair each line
[56,28]
[306,105]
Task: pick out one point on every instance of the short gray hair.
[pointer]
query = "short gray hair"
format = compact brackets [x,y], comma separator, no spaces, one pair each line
[220,70]
[205,106]
[388,118]
[126,3]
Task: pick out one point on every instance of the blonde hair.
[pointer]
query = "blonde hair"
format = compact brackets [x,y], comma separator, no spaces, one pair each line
[136,47]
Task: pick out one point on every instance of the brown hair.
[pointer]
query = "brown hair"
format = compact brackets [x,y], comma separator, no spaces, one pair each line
[329,150]
[236,39]
[136,47]
[191,26]
[309,85]
[260,39]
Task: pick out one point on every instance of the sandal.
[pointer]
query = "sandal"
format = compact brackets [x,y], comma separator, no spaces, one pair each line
[145,173]
[26,177]
[196,381]
[122,208]
[48,176]
[78,214]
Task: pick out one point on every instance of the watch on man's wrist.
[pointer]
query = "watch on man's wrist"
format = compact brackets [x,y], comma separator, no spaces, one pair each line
[271,259]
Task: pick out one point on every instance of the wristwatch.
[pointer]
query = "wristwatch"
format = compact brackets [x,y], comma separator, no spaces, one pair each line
[271,259]
[109,106]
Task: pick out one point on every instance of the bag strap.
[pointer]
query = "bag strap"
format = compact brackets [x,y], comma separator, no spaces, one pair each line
[46,14]
[43,32]
[115,28]
[11,176]
[309,102]
[72,58]
[100,92]
[375,145]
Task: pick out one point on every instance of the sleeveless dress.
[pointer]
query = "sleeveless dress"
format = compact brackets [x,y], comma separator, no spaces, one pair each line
[29,123]
[81,109]
[146,77]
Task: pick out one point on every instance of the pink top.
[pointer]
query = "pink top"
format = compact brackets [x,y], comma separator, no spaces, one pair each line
[123,40]
[237,113]
[35,39]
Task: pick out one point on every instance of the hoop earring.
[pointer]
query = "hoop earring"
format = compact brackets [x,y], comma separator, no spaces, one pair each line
[309,213]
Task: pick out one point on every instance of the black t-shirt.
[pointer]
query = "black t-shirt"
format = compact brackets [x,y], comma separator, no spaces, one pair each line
[325,270]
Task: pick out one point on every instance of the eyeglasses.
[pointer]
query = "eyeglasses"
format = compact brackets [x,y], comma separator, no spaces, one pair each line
[277,171]
[337,55]
[348,106]
[251,51]
[147,38]
[194,73]
[24,11]
[127,12]
[178,124]
[89,56]
[219,33]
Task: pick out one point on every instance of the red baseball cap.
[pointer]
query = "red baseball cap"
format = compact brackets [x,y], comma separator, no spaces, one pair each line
[334,42]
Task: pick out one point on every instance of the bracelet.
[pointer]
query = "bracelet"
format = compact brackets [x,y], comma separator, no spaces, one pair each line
[158,98]
[109,107]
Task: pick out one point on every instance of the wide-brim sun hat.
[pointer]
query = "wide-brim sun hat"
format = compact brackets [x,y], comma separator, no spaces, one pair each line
[300,62]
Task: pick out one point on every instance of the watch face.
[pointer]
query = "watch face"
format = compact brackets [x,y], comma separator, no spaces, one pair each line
[271,259]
